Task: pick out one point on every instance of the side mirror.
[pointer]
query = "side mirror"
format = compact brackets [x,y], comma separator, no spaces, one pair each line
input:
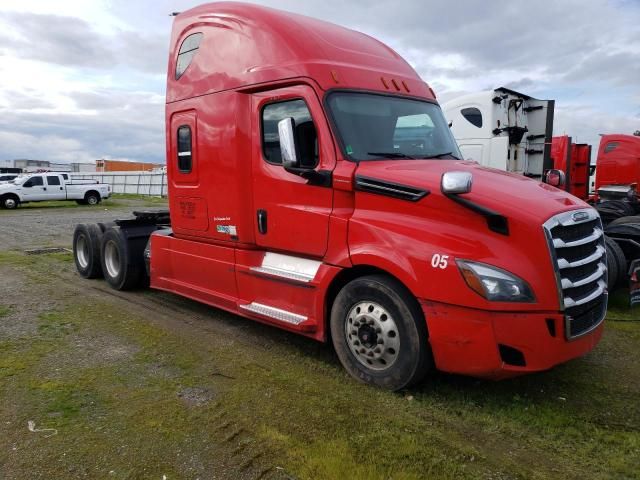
[555,178]
[456,182]
[288,147]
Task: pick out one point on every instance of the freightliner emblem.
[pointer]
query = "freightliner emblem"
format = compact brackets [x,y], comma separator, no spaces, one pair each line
[580,216]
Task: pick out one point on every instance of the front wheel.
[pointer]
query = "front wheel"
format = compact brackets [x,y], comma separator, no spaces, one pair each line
[380,334]
[10,202]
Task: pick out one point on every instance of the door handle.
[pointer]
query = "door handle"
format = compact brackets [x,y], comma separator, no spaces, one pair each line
[262,221]
[44,188]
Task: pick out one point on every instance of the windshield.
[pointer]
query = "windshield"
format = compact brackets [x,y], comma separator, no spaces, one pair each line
[380,126]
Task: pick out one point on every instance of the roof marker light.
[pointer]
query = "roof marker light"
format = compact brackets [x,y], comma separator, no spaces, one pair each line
[404,84]
[334,74]
[384,82]
[395,84]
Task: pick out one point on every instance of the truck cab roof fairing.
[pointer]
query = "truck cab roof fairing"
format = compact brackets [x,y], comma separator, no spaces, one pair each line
[246,44]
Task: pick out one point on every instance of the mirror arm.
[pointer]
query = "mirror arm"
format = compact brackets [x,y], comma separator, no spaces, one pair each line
[319,178]
[495,221]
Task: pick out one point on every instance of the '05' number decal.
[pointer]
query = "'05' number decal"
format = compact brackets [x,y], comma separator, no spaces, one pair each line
[440,261]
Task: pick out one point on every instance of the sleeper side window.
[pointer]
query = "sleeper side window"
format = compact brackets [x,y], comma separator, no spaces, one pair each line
[305,131]
[184,149]
[473,116]
[188,49]
[611,146]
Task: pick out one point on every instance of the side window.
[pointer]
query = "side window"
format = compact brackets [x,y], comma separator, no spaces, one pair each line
[473,116]
[610,147]
[53,180]
[187,51]
[33,182]
[305,131]
[184,149]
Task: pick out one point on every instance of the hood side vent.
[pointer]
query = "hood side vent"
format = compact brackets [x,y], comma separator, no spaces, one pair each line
[390,189]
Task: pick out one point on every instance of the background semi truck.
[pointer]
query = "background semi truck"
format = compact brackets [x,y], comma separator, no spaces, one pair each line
[314,185]
[512,131]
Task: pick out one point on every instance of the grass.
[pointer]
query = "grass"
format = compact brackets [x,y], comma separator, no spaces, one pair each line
[108,377]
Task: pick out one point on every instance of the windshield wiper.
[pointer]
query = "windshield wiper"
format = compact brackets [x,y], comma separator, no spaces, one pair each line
[391,155]
[444,154]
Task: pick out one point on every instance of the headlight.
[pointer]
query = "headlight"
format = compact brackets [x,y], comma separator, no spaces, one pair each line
[495,284]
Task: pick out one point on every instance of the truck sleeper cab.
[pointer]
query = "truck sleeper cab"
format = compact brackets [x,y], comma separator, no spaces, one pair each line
[314,185]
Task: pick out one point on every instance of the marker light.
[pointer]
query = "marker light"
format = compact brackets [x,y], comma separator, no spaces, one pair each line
[495,284]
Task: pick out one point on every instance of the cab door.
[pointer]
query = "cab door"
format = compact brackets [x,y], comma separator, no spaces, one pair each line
[34,189]
[55,189]
[291,213]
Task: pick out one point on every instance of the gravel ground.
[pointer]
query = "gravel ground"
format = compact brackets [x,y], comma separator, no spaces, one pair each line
[35,226]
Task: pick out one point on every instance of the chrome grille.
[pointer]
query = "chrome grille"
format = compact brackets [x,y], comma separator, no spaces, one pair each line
[576,241]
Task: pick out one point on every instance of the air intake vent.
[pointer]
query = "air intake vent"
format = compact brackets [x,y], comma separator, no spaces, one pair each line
[390,189]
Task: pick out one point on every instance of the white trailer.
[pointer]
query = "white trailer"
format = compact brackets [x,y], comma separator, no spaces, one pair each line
[504,129]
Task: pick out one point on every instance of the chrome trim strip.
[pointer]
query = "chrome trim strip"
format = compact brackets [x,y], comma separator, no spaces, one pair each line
[289,267]
[600,251]
[570,302]
[600,271]
[567,218]
[276,272]
[597,233]
[275,313]
[388,189]
[184,154]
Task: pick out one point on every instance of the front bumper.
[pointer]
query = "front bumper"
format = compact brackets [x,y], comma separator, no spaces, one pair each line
[496,345]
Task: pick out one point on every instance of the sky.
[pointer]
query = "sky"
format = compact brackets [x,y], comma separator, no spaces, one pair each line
[85,79]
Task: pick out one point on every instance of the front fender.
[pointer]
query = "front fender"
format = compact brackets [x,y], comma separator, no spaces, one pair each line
[422,252]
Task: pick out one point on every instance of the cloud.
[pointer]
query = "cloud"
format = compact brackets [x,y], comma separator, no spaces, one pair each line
[73,42]
[86,80]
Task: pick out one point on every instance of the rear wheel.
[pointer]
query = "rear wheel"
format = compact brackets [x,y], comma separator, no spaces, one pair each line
[122,265]
[86,250]
[92,198]
[81,202]
[379,333]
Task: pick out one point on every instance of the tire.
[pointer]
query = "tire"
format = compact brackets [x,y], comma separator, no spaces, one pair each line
[617,263]
[10,202]
[92,198]
[105,226]
[81,202]
[611,210]
[626,220]
[122,262]
[380,309]
[86,250]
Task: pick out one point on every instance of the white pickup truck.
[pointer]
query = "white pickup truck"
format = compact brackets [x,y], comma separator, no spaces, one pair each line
[42,187]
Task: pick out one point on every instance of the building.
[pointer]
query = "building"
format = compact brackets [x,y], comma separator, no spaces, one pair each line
[124,166]
[28,166]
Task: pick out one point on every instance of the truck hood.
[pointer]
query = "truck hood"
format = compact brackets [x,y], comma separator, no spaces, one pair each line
[506,193]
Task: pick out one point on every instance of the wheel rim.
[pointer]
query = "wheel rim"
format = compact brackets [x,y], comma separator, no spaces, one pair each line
[92,200]
[82,251]
[112,259]
[372,335]
[10,203]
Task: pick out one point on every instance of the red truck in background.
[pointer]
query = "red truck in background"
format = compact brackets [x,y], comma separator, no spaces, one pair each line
[574,159]
[314,185]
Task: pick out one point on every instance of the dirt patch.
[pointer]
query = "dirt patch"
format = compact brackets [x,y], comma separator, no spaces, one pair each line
[196,396]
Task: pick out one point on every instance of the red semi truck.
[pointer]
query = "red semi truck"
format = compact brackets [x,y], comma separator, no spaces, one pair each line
[314,185]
